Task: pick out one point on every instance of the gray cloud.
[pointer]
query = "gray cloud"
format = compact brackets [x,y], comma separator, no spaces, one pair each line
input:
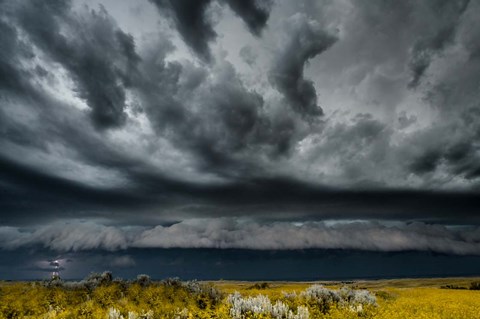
[67,237]
[218,119]
[443,19]
[355,235]
[215,139]
[98,54]
[306,39]
[454,153]
[192,22]
[450,145]
[255,13]
[209,125]
[13,49]
[248,55]
[405,121]
[247,234]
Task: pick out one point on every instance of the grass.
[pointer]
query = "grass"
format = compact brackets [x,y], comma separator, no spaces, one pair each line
[102,297]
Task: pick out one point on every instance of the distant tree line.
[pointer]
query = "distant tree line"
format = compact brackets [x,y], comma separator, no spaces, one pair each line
[474,285]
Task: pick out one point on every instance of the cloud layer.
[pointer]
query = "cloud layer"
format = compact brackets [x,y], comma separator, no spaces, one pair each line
[164,111]
[247,234]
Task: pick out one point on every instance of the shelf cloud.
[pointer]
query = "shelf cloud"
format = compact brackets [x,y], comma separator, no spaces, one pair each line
[228,233]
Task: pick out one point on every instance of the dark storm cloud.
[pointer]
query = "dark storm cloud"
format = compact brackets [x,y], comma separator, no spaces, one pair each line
[11,49]
[458,155]
[211,134]
[192,22]
[451,145]
[255,13]
[25,190]
[443,18]
[218,120]
[212,147]
[306,40]
[99,56]
[212,140]
[426,162]
[437,40]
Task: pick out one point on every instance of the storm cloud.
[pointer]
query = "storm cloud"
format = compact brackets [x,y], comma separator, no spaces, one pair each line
[192,19]
[192,23]
[239,125]
[443,22]
[88,44]
[255,13]
[227,233]
[307,39]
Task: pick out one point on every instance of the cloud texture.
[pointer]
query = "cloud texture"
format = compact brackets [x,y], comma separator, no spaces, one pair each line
[246,234]
[276,112]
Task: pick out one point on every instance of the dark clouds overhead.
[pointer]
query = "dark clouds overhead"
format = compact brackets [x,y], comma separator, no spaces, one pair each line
[283,113]
[441,31]
[89,45]
[192,22]
[306,39]
[12,49]
[255,13]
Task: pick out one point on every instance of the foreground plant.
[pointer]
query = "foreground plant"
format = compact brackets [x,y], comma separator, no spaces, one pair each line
[100,296]
[114,313]
[261,306]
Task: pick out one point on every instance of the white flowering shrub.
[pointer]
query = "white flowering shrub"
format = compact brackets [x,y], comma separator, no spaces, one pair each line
[142,315]
[114,314]
[193,286]
[302,313]
[260,305]
[197,288]
[347,295]
[280,310]
[321,297]
[172,282]
[289,295]
[321,294]
[143,280]
[364,297]
[355,300]
[181,314]
[325,298]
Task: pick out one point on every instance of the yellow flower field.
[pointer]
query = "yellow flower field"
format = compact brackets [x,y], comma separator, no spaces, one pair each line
[431,303]
[102,297]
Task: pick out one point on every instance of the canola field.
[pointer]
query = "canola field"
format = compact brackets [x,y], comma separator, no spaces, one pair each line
[101,296]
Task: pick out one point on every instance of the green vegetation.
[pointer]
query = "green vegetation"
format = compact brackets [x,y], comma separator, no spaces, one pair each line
[474,285]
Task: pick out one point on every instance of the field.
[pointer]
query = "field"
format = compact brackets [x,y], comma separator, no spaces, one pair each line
[101,296]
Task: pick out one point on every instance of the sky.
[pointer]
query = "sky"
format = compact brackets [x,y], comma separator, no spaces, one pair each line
[143,135]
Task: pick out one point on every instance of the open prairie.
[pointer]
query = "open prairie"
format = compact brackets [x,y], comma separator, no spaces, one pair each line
[101,296]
